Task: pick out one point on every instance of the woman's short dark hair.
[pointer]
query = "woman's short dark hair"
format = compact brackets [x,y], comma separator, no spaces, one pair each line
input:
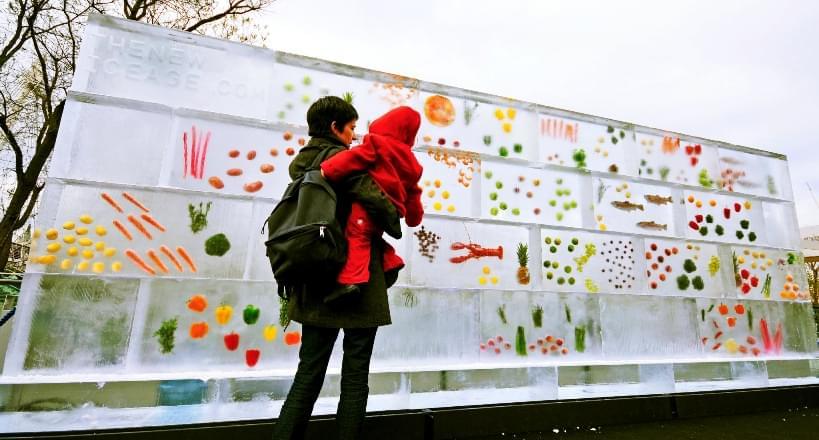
[327,109]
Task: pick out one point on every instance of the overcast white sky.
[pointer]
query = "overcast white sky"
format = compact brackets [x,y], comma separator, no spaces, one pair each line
[745,72]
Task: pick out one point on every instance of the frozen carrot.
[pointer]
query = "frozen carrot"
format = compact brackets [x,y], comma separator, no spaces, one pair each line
[134,257]
[194,151]
[167,251]
[152,221]
[184,254]
[131,199]
[122,230]
[155,258]
[134,221]
[112,202]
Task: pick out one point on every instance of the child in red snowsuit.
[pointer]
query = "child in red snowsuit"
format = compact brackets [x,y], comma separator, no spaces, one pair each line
[386,155]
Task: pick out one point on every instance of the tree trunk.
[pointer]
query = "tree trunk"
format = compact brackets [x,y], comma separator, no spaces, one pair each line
[27,191]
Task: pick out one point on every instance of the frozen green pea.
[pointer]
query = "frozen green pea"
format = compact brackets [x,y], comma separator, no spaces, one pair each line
[493,211]
[547,240]
[493,196]
[561,281]
[575,241]
[518,148]
[503,206]
[567,269]
[498,184]
[547,264]
[571,248]
[553,249]
[555,264]
[515,211]
[549,275]
[503,151]
[306,81]
[488,174]
[574,204]
[552,203]
[571,281]
[559,216]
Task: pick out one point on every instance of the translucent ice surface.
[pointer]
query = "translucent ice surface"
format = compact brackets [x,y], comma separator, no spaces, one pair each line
[581,144]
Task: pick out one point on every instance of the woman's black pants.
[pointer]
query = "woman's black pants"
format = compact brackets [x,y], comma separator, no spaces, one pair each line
[314,355]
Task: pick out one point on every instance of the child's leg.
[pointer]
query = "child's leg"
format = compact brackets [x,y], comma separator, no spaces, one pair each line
[391,259]
[359,232]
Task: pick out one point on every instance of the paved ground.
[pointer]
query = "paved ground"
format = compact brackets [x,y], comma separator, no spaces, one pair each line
[794,424]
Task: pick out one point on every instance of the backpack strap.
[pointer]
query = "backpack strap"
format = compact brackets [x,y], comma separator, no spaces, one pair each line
[321,157]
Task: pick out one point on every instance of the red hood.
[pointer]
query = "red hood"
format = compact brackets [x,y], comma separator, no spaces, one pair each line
[400,123]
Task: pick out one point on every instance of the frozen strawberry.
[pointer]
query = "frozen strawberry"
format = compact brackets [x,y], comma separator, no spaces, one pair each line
[737,207]
[698,218]
[754,281]
[559,342]
[653,246]
[723,309]
[731,321]
[727,213]
[746,288]
[697,149]
[745,274]
[694,160]
[689,149]
[739,309]
[693,225]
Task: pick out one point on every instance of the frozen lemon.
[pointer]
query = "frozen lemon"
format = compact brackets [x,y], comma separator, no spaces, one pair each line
[445,195]
[98,267]
[53,247]
[450,208]
[87,254]
[66,264]
[101,231]
[72,251]
[68,225]
[110,252]
[68,239]
[116,266]
[85,241]
[36,233]
[499,114]
[495,280]
[747,204]
[486,270]
[100,246]
[85,218]
[51,234]
[507,127]
[602,226]
[482,281]
[510,112]
[437,206]
[82,230]
[47,259]
[731,346]
[83,266]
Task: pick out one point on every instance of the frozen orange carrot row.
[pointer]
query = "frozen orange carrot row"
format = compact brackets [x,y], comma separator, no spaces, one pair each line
[136,203]
[122,230]
[153,222]
[155,258]
[184,254]
[168,253]
[134,257]
[112,202]
[134,221]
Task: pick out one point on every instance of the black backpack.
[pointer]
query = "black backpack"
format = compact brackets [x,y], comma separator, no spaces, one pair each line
[305,240]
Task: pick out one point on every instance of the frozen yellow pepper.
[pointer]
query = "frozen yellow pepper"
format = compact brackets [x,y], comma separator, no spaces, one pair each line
[270,332]
[499,114]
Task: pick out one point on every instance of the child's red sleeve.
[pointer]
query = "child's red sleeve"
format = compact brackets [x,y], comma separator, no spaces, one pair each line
[347,162]
[414,207]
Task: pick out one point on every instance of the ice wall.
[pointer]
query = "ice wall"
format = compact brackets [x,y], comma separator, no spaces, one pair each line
[550,238]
